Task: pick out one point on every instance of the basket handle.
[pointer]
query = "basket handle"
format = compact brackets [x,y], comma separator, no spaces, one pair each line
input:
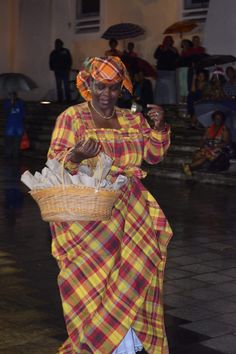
[63,169]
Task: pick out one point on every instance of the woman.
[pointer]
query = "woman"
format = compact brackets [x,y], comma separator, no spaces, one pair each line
[216,91]
[214,153]
[166,55]
[200,89]
[113,44]
[111,272]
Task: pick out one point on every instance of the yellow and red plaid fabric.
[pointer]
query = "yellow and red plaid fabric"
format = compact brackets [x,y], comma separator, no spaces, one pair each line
[111,272]
[108,70]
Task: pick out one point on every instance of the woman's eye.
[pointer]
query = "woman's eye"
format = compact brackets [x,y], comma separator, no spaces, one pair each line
[99,86]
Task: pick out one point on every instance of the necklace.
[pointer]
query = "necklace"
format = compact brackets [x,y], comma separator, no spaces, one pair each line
[101,115]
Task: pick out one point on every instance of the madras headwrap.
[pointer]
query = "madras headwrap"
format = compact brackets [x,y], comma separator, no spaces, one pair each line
[108,70]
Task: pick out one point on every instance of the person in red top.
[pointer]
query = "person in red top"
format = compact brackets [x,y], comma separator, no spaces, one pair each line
[214,151]
[197,49]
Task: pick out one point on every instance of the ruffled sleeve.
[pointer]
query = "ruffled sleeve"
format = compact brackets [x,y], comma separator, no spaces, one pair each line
[66,134]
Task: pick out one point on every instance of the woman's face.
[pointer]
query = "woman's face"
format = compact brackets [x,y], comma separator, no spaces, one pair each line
[201,77]
[218,119]
[105,96]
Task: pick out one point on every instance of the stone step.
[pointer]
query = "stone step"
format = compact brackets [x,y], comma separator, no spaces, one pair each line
[223,178]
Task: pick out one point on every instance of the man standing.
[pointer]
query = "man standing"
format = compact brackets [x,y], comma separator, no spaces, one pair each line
[60,62]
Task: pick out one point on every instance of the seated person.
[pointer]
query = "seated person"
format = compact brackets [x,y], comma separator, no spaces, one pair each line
[214,153]
[217,82]
[230,86]
[113,51]
[199,90]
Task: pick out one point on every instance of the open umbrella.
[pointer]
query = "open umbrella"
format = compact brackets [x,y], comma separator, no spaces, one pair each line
[212,60]
[13,82]
[205,109]
[181,27]
[123,31]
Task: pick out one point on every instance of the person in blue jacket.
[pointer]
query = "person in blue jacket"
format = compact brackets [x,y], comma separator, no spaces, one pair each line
[14,112]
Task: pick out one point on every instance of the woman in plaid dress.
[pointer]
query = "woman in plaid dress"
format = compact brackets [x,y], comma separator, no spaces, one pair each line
[111,272]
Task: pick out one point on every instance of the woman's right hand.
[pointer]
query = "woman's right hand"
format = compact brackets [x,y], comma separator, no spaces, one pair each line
[85,149]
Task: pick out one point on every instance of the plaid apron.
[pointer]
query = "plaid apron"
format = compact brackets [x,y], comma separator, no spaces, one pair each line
[111,272]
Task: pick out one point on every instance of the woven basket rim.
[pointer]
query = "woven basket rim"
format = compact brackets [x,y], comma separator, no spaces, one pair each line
[73,187]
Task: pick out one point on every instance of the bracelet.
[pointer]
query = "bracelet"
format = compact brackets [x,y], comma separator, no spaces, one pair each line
[163,129]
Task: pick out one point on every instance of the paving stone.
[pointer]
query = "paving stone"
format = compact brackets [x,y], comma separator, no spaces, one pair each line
[185,260]
[229,318]
[225,344]
[229,272]
[209,327]
[220,305]
[213,278]
[186,284]
[191,313]
[205,294]
[177,274]
[179,300]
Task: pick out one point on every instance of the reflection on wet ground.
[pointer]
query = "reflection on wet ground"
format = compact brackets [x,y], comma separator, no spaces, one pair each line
[200,284]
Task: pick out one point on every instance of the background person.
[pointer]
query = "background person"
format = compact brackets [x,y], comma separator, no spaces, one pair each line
[14,112]
[200,89]
[60,62]
[214,153]
[143,92]
[166,55]
[230,86]
[113,44]
[111,272]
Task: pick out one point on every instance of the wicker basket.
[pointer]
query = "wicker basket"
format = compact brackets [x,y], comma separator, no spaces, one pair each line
[72,203]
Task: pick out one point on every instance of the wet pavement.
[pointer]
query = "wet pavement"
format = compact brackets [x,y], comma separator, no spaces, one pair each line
[200,282]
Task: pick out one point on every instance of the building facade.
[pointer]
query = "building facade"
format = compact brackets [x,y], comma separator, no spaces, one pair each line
[28,29]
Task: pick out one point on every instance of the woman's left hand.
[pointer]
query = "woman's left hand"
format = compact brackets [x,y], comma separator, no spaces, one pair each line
[156,114]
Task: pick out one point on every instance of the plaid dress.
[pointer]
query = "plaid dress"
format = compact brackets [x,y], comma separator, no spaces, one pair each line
[111,272]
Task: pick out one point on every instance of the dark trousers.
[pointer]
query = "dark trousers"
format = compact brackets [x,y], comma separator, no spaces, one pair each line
[62,79]
[191,99]
[12,146]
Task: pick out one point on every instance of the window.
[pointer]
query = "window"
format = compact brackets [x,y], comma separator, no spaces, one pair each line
[196,4]
[87,16]
[195,9]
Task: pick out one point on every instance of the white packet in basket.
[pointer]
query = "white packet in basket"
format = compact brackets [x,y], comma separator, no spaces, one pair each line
[28,179]
[120,182]
[86,170]
[52,179]
[82,178]
[56,168]
[103,167]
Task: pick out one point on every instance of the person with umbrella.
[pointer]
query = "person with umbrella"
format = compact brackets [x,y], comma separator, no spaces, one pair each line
[113,44]
[214,153]
[111,272]
[14,112]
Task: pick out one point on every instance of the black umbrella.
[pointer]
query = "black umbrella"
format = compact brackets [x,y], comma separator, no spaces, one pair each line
[123,31]
[13,82]
[212,60]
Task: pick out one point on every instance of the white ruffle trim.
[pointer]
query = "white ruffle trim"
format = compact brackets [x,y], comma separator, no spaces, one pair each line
[130,344]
